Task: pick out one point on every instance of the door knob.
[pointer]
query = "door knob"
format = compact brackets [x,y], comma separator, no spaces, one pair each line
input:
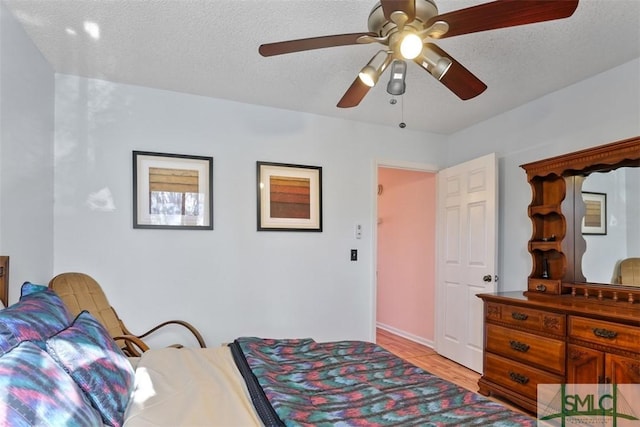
[486,278]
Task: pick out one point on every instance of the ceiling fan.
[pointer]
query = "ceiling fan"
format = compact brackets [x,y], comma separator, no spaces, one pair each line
[404,28]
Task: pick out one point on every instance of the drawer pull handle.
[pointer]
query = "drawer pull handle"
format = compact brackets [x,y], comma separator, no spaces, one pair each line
[604,333]
[519,378]
[541,288]
[519,316]
[519,346]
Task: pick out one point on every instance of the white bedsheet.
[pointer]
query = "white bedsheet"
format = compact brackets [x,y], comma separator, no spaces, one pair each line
[189,387]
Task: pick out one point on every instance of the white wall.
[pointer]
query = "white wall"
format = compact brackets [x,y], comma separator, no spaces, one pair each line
[26,156]
[233,280]
[599,110]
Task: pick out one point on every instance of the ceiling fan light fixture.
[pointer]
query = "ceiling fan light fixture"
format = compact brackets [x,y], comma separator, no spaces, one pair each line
[371,72]
[396,85]
[411,45]
[441,68]
[434,63]
[369,76]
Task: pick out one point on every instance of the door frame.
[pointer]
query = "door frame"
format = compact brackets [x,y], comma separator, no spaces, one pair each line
[393,164]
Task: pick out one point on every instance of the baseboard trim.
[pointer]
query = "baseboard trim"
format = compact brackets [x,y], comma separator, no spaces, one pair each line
[404,334]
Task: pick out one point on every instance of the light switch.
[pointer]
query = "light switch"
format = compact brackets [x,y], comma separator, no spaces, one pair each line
[358,231]
[354,254]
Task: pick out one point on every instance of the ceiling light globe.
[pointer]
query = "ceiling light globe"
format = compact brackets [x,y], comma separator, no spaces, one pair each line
[411,46]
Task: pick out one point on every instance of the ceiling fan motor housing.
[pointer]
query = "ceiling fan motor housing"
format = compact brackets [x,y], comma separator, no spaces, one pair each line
[377,23]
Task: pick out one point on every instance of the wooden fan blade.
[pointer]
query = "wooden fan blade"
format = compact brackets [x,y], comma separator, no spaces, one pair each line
[354,94]
[457,79]
[291,46]
[502,14]
[406,6]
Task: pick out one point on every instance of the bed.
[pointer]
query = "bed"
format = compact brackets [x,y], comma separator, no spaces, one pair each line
[59,370]
[276,382]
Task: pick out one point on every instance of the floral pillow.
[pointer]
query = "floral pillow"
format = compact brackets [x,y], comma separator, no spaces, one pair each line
[88,353]
[39,314]
[36,391]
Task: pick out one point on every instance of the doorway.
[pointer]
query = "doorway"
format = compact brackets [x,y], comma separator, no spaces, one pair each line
[465,247]
[406,251]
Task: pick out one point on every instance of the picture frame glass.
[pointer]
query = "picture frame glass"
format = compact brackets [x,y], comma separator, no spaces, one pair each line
[289,197]
[172,191]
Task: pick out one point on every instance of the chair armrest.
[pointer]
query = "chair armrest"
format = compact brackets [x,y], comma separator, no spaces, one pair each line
[187,325]
[133,346]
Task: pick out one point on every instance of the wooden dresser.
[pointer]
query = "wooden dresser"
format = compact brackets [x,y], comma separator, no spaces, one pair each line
[531,340]
[563,329]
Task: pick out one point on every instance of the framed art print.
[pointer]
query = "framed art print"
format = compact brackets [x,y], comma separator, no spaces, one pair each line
[595,215]
[172,191]
[289,197]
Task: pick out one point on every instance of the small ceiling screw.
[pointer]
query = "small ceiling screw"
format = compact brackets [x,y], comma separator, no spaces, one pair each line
[402,125]
[393,101]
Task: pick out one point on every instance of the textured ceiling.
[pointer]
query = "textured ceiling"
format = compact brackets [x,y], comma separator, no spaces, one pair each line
[210,48]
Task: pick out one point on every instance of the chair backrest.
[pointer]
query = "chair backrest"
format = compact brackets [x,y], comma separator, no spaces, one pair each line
[79,292]
[630,272]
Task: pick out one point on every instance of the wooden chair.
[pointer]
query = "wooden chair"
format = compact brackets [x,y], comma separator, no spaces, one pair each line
[81,292]
[630,272]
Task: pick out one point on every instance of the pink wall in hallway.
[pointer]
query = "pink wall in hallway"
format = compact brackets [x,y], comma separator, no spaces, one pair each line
[406,251]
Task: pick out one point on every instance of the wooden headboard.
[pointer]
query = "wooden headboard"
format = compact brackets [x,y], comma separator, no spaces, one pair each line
[4,280]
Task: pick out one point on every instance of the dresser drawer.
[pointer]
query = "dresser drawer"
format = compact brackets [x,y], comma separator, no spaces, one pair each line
[516,376]
[546,353]
[545,286]
[606,333]
[528,318]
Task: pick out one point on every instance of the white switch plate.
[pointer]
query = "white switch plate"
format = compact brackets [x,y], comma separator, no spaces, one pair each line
[358,231]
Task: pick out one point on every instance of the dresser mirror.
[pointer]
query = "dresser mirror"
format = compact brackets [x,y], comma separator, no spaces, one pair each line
[603,181]
[612,228]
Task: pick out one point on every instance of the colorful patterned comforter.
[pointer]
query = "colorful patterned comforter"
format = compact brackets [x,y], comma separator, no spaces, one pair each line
[353,383]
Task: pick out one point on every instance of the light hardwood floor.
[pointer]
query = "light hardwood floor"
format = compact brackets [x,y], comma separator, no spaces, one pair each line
[427,359]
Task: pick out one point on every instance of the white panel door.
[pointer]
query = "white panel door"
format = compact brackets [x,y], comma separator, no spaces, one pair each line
[467,219]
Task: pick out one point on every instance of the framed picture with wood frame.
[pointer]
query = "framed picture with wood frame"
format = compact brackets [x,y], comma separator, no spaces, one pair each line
[595,214]
[172,191]
[289,197]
